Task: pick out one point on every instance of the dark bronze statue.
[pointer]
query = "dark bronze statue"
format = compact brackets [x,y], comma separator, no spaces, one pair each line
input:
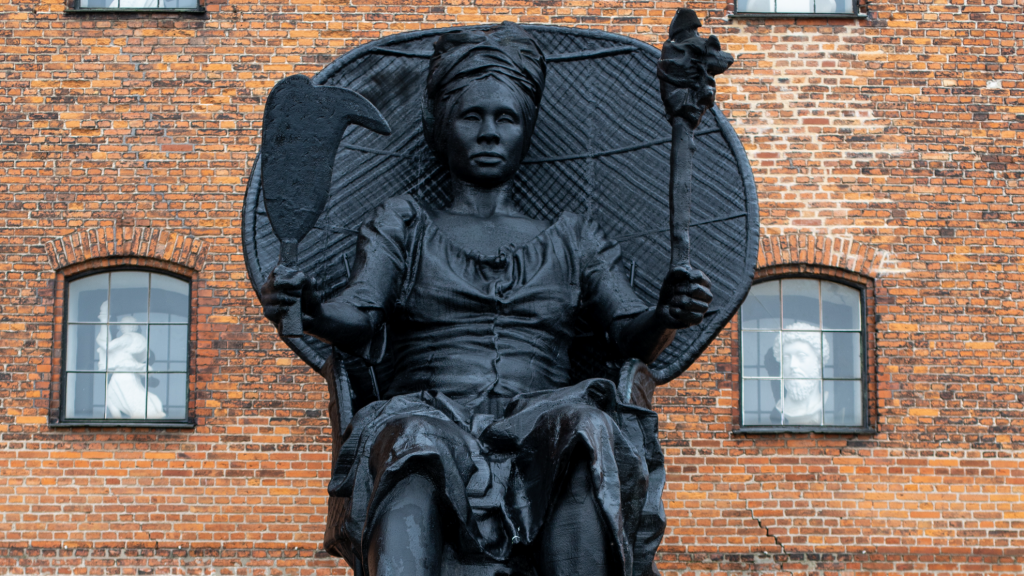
[481,456]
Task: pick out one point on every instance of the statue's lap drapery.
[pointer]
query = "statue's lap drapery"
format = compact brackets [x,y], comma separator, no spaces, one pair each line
[479,398]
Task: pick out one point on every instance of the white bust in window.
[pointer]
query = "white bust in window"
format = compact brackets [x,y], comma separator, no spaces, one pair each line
[801,355]
[126,356]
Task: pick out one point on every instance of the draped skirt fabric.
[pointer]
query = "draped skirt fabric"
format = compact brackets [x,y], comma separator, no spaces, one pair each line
[497,470]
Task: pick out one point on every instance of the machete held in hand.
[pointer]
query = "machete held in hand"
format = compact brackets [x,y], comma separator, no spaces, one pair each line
[302,128]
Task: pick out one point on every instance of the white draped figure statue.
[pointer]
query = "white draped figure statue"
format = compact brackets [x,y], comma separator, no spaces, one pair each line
[801,355]
[126,363]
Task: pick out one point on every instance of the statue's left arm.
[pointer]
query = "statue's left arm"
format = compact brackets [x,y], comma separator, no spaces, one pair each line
[634,329]
[683,301]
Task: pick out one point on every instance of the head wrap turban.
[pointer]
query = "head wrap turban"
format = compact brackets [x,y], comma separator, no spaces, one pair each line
[507,53]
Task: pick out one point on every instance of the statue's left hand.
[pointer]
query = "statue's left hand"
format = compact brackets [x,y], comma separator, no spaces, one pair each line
[685,298]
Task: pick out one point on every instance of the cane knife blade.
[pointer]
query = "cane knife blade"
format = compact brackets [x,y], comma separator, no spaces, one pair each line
[302,129]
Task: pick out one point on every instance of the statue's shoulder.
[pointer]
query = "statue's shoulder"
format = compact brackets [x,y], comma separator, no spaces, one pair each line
[403,207]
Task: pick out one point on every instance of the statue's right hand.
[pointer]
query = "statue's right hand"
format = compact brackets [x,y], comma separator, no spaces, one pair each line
[284,287]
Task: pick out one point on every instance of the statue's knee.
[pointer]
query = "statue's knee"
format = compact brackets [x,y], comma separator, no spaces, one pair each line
[406,431]
[593,421]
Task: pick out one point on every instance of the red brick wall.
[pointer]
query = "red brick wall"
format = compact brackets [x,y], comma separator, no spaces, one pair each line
[888,146]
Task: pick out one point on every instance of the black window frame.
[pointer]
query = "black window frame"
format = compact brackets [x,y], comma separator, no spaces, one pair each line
[188,421]
[855,12]
[866,426]
[77,8]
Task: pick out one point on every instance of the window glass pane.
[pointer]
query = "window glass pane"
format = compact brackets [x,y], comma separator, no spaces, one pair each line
[85,347]
[761,309]
[759,358]
[127,351]
[99,4]
[181,4]
[126,396]
[83,396]
[168,346]
[801,354]
[753,5]
[831,6]
[844,6]
[801,402]
[800,304]
[139,4]
[843,359]
[760,398]
[806,6]
[167,396]
[168,300]
[843,403]
[129,297]
[840,307]
[86,297]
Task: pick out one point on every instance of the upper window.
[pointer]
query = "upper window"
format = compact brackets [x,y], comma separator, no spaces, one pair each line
[796,6]
[137,4]
[126,353]
[802,343]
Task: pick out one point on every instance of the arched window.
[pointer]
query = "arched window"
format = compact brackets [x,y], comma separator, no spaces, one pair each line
[126,348]
[803,359]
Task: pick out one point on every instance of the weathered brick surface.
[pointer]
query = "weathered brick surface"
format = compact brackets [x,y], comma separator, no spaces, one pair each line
[887,147]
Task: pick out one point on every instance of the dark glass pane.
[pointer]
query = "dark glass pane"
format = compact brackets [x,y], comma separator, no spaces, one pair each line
[84,352]
[168,300]
[167,396]
[758,356]
[126,396]
[761,310]
[168,346]
[83,397]
[843,403]
[86,297]
[801,402]
[844,359]
[840,307]
[760,398]
[129,297]
[800,309]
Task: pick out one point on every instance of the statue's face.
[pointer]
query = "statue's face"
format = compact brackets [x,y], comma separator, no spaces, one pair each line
[799,360]
[485,145]
[802,369]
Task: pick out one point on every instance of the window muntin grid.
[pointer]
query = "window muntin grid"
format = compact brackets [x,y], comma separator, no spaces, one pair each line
[138,4]
[778,320]
[126,360]
[795,6]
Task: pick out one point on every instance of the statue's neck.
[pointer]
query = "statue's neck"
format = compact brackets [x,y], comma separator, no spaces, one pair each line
[482,202]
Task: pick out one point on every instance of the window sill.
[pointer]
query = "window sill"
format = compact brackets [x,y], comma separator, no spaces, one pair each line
[121,424]
[857,430]
[135,11]
[791,15]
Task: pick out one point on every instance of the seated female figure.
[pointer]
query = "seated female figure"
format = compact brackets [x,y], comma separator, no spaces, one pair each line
[480,449]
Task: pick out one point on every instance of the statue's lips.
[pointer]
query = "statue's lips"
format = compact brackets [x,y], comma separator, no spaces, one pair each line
[487,158]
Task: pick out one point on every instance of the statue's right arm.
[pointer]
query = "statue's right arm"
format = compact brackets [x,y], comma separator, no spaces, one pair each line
[335,321]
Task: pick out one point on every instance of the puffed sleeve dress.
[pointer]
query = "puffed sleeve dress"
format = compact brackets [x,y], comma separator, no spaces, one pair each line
[479,397]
